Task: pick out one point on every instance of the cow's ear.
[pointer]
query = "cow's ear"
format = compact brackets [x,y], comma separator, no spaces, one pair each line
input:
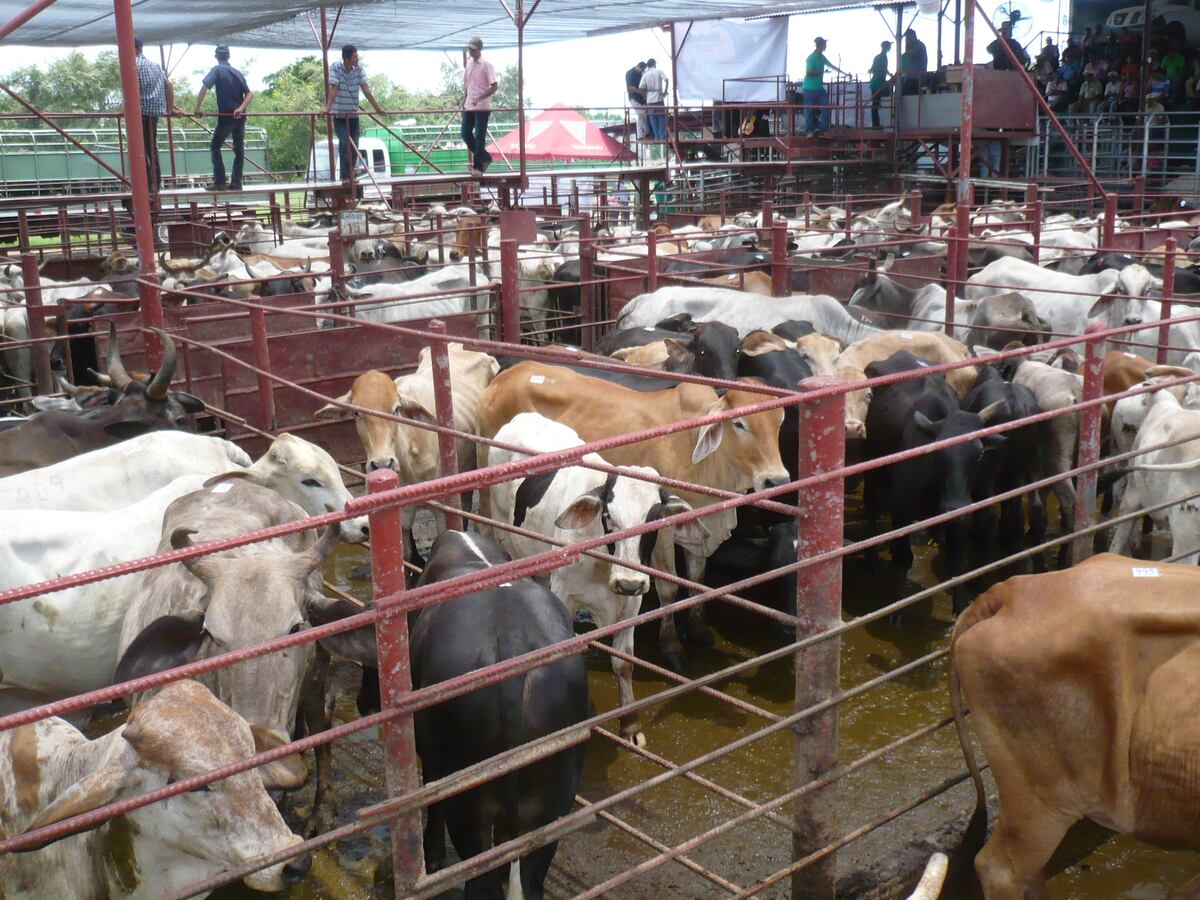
[333,411]
[288,772]
[189,402]
[756,343]
[124,431]
[1101,307]
[94,790]
[358,644]
[923,422]
[708,441]
[580,512]
[412,408]
[680,353]
[692,532]
[165,643]
[994,441]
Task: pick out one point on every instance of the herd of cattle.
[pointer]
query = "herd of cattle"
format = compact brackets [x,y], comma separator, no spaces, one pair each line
[1093,664]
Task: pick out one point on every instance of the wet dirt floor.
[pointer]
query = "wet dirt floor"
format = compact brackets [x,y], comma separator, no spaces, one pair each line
[1091,863]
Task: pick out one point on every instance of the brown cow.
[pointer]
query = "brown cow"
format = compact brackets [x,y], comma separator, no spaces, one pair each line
[738,455]
[1082,687]
[750,282]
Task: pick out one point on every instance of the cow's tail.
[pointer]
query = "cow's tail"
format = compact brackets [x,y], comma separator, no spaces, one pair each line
[1168,467]
[512,716]
[976,833]
[1107,479]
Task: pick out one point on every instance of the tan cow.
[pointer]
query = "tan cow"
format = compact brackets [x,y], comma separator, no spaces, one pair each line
[739,454]
[49,771]
[410,451]
[1082,688]
[750,282]
[931,346]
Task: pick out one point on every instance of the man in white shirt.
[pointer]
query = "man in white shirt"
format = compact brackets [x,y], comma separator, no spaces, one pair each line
[480,83]
[654,86]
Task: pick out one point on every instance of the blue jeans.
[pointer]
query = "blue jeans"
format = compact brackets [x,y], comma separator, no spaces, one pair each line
[345,128]
[814,99]
[658,125]
[474,135]
[226,126]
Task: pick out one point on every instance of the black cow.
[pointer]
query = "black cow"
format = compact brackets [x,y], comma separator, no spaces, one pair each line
[710,349]
[907,415]
[53,436]
[459,636]
[1187,279]
[1014,463]
[731,261]
[794,329]
[746,555]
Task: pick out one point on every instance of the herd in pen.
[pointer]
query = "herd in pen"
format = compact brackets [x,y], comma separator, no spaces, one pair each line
[1081,680]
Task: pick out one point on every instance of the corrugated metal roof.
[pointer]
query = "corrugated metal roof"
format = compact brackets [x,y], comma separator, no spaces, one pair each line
[379,24]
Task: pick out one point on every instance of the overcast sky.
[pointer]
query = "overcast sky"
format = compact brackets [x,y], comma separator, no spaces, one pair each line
[590,72]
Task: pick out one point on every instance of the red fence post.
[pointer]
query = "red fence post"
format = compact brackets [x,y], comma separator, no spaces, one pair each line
[651,262]
[1139,194]
[780,277]
[818,608]
[1110,220]
[1089,443]
[395,680]
[262,360]
[1035,228]
[915,201]
[768,218]
[807,210]
[1168,294]
[443,402]
[510,292]
[36,314]
[588,312]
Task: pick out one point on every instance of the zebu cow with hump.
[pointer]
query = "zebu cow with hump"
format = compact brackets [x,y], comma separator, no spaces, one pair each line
[49,771]
[1082,689]
[574,504]
[50,437]
[738,454]
[198,608]
[115,477]
[462,635]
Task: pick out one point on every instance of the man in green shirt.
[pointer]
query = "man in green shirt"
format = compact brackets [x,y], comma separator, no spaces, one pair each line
[879,78]
[816,98]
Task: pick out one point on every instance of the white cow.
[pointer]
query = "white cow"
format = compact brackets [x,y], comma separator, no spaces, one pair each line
[398,309]
[1160,476]
[744,311]
[114,477]
[1068,303]
[49,771]
[575,504]
[1054,389]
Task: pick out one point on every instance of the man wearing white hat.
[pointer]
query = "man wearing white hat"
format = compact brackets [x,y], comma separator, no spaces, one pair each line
[480,83]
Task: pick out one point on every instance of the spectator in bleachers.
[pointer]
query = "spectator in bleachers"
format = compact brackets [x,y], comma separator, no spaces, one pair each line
[1112,94]
[1090,93]
[1097,66]
[1058,92]
[1130,67]
[1114,53]
[1158,83]
[1174,65]
[1129,92]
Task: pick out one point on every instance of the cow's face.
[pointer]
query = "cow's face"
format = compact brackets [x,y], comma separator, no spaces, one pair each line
[751,443]
[308,476]
[183,731]
[375,391]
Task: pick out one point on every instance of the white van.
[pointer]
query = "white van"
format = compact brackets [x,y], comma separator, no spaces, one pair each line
[373,154]
[1184,12]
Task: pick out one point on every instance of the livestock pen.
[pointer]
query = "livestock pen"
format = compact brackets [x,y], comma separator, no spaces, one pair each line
[771,761]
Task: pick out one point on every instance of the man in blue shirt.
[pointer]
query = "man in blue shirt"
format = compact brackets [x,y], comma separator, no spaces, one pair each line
[233,98]
[346,78]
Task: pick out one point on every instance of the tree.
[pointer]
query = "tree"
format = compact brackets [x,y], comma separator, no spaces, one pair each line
[297,87]
[71,84]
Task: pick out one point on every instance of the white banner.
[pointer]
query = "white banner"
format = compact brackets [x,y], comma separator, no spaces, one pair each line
[718,50]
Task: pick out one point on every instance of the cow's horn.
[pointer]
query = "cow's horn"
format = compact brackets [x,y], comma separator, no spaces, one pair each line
[157,389]
[116,369]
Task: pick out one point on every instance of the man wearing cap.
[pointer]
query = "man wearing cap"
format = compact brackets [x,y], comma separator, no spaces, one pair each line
[346,78]
[816,98]
[479,81]
[233,99]
[637,98]
[879,78]
[158,97]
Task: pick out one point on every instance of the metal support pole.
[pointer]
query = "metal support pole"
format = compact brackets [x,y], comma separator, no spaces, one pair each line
[1168,295]
[22,17]
[967,123]
[767,219]
[395,681]
[510,292]
[1089,442]
[521,90]
[1110,220]
[651,262]
[37,323]
[443,402]
[587,289]
[150,299]
[780,278]
[1035,228]
[818,608]
[262,360]
[1139,194]
[963,229]
[915,204]
[333,172]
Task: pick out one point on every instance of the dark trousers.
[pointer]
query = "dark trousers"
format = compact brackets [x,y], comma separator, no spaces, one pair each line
[474,135]
[345,128]
[150,141]
[876,102]
[227,125]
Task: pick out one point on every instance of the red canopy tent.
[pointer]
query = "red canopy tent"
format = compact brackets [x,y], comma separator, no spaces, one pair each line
[560,133]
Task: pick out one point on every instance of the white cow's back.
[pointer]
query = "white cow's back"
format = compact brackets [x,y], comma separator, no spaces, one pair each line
[120,475]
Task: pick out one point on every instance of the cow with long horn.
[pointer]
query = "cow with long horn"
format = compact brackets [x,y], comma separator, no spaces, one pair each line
[139,407]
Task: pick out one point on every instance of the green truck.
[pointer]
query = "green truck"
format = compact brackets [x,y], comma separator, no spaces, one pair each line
[43,161]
